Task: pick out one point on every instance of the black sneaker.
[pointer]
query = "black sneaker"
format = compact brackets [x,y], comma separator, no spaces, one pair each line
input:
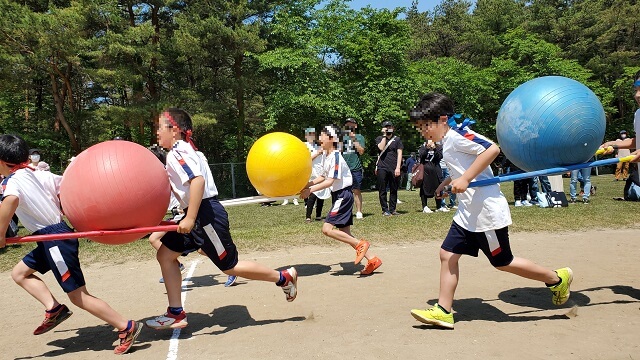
[585,201]
[572,201]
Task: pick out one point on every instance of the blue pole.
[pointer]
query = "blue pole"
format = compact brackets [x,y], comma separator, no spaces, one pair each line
[552,171]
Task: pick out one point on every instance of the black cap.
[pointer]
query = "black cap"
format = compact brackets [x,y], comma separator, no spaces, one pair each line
[387,123]
[31,151]
[352,120]
[623,131]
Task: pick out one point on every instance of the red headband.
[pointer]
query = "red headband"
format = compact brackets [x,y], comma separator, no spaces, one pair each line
[16,167]
[187,133]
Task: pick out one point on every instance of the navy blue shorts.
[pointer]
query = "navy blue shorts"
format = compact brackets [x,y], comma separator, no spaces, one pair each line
[59,256]
[357,176]
[210,233]
[493,243]
[340,213]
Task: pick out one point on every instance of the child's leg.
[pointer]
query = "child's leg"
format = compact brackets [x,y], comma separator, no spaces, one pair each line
[254,271]
[347,230]
[449,275]
[97,307]
[530,270]
[319,206]
[24,276]
[171,274]
[154,239]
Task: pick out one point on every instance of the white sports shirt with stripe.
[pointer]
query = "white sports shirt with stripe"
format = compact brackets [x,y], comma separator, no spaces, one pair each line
[480,208]
[37,193]
[184,164]
[335,167]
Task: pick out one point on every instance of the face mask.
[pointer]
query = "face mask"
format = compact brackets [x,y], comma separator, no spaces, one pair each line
[623,136]
[35,158]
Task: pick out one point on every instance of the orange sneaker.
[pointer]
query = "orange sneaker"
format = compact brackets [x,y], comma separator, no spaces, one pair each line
[361,249]
[372,265]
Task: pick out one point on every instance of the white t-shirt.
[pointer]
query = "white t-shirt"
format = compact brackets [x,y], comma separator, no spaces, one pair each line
[480,208]
[38,205]
[335,167]
[184,164]
[316,164]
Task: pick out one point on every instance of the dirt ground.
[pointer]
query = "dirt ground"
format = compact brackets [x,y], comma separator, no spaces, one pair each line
[340,315]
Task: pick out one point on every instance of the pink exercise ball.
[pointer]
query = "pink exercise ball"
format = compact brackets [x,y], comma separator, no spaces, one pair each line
[115,185]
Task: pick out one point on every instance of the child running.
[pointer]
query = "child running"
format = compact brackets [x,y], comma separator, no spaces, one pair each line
[483,217]
[33,195]
[205,225]
[337,177]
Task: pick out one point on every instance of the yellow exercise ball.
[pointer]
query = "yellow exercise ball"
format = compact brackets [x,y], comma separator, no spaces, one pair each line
[279,164]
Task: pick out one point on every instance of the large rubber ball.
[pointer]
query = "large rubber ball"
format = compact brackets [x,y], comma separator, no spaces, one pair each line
[115,185]
[279,164]
[549,122]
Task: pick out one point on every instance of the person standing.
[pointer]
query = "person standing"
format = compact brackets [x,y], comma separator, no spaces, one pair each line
[410,163]
[622,168]
[388,168]
[354,147]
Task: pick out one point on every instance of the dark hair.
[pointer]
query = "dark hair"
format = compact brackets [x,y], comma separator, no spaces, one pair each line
[637,77]
[159,152]
[431,106]
[181,118]
[13,149]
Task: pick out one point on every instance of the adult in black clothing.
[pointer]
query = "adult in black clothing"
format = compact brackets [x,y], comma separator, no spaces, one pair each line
[430,155]
[388,168]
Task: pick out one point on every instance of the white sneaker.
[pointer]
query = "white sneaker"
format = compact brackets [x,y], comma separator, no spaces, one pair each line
[526,203]
[442,209]
[518,203]
[295,202]
[359,215]
[290,288]
[285,202]
[426,210]
[398,202]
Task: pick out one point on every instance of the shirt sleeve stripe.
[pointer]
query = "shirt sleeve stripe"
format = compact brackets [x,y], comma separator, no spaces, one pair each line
[472,137]
[337,166]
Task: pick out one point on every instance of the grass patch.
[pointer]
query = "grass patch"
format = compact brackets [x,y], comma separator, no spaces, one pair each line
[279,227]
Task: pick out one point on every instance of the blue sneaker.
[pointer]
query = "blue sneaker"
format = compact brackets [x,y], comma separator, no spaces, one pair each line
[231,280]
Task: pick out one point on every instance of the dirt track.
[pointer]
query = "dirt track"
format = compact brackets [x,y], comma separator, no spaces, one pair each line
[341,315]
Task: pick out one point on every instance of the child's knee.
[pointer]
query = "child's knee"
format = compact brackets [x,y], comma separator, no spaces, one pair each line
[20,272]
[445,255]
[77,297]
[326,229]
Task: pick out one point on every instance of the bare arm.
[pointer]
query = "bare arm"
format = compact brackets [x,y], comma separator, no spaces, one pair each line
[196,190]
[621,144]
[7,209]
[483,160]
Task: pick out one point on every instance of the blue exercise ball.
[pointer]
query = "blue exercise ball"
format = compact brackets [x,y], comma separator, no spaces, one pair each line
[550,121]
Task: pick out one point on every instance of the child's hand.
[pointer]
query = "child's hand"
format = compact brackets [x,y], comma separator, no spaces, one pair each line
[305,193]
[459,185]
[186,225]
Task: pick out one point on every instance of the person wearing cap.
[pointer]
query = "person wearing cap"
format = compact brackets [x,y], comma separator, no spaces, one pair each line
[622,168]
[34,158]
[354,147]
[388,168]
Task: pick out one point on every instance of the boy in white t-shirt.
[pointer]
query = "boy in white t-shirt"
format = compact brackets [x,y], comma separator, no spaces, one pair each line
[205,225]
[33,195]
[337,177]
[483,217]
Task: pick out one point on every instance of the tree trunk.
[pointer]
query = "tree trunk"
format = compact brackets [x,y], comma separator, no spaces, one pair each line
[237,69]
[59,103]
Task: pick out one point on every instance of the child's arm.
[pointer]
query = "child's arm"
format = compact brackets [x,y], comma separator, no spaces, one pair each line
[7,209]
[317,184]
[196,190]
[316,154]
[483,160]
[621,144]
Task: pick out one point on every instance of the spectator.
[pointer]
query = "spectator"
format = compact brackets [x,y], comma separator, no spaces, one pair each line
[409,163]
[586,177]
[430,156]
[354,144]
[388,168]
[622,168]
[445,174]
[34,157]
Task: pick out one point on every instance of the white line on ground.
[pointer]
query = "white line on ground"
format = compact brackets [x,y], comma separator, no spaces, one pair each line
[174,342]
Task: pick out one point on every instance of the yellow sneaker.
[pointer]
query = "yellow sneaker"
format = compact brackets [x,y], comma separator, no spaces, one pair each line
[561,291]
[434,316]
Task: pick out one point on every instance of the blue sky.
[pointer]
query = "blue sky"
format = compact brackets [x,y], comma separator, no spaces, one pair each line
[423,5]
